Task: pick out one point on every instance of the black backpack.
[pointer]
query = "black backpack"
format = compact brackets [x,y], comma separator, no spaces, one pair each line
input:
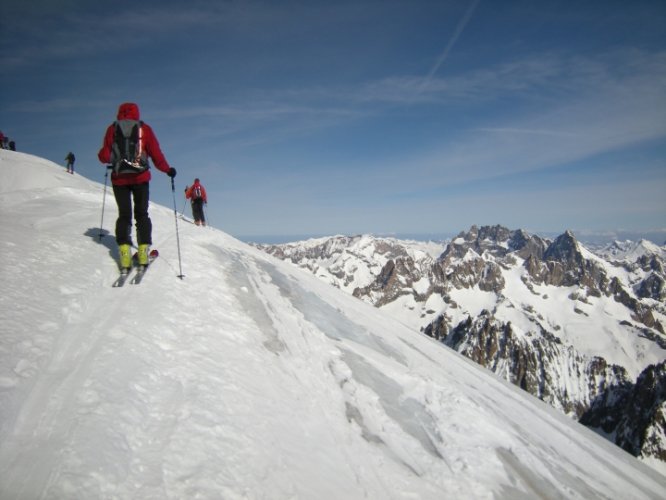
[127,152]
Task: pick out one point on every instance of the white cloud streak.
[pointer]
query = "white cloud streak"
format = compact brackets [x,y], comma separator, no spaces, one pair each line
[456,35]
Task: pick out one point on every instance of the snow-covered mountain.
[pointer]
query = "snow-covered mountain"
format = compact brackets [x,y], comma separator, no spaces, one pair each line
[574,328]
[246,379]
[629,251]
[351,262]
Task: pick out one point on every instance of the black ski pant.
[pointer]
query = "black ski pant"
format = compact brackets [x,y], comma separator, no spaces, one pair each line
[197,210]
[144,228]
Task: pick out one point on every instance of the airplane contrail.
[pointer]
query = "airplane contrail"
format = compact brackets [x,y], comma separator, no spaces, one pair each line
[459,29]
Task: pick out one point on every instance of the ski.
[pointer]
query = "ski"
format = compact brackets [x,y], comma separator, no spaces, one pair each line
[141,270]
[121,279]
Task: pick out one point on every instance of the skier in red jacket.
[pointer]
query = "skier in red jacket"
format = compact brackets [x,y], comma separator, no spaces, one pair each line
[128,143]
[197,193]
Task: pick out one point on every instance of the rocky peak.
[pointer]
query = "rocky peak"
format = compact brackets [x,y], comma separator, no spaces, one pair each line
[564,249]
[526,245]
[497,241]
[496,234]
[491,239]
[564,264]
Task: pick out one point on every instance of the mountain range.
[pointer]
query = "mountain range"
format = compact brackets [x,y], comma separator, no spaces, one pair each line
[581,330]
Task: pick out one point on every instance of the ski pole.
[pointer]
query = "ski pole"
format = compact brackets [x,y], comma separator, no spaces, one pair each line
[101,223]
[175,217]
[205,214]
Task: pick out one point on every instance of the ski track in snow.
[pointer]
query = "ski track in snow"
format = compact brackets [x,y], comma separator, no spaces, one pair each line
[246,379]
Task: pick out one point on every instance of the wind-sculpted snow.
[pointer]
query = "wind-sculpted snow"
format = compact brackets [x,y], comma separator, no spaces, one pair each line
[408,413]
[333,323]
[557,320]
[240,277]
[246,379]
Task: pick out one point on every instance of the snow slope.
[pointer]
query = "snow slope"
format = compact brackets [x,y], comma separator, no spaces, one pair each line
[247,379]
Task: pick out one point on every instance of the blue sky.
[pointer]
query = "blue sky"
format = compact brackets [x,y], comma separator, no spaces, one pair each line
[364,116]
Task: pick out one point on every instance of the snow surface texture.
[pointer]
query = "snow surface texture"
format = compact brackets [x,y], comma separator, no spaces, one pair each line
[247,379]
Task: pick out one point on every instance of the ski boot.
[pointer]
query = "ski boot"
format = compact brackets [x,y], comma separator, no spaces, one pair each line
[125,258]
[142,254]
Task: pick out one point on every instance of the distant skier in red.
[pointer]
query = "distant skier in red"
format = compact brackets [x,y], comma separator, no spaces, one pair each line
[128,143]
[197,193]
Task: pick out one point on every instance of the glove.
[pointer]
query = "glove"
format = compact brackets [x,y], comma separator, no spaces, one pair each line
[171,172]
[186,188]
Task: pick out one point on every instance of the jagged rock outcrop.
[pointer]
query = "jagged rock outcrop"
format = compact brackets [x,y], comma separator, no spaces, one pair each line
[527,246]
[563,264]
[642,312]
[652,287]
[469,272]
[542,365]
[497,241]
[634,413]
[396,278]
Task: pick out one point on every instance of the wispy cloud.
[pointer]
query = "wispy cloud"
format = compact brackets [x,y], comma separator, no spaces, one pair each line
[517,131]
[592,108]
[550,77]
[84,29]
[578,107]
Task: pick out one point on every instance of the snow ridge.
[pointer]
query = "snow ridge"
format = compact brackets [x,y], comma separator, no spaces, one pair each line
[247,379]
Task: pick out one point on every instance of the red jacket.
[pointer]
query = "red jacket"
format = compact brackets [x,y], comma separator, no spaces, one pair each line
[130,111]
[189,192]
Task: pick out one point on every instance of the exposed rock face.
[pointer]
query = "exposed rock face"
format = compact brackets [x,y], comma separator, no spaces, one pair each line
[563,264]
[542,365]
[634,413]
[653,287]
[396,278]
[557,320]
